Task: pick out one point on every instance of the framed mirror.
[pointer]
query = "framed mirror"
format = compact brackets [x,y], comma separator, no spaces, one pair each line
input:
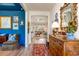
[68,15]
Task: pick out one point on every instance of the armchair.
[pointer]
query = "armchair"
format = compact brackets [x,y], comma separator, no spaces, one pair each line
[9,44]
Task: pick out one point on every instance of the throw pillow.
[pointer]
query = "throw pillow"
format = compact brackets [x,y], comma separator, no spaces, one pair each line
[12,37]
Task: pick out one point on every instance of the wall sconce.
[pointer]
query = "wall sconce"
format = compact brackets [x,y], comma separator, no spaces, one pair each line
[22,23]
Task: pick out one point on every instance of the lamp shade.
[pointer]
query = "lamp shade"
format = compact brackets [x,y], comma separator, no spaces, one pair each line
[55,25]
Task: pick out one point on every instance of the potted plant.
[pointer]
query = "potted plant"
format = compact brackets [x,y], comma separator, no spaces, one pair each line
[71,30]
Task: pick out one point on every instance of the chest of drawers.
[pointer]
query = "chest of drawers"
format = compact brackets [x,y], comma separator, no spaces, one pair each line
[59,47]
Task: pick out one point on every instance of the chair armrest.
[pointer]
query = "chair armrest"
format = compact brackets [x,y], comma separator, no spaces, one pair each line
[9,42]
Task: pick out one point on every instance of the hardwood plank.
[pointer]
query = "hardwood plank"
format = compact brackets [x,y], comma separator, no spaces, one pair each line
[17,52]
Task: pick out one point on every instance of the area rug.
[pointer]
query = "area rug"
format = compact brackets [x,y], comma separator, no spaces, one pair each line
[40,50]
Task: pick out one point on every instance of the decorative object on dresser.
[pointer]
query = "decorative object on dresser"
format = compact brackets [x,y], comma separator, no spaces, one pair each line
[55,25]
[70,36]
[60,47]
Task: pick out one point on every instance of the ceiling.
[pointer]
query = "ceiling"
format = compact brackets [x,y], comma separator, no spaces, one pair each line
[29,6]
[40,6]
[10,6]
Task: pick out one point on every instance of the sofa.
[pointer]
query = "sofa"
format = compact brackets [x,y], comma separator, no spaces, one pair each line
[11,42]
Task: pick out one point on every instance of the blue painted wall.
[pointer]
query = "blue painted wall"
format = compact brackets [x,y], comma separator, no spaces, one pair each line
[21,30]
[11,6]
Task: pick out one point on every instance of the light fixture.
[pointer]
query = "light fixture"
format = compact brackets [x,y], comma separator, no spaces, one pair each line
[22,23]
[55,25]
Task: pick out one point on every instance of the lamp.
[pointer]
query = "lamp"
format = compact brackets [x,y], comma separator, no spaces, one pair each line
[55,25]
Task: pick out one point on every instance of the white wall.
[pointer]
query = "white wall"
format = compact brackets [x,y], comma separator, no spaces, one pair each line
[55,9]
[77,32]
[26,41]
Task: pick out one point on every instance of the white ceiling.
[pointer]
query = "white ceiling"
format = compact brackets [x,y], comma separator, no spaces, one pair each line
[39,6]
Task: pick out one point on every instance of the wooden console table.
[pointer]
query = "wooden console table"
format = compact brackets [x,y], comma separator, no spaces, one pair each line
[60,47]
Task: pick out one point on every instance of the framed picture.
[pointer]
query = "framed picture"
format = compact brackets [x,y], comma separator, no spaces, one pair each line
[15,26]
[15,19]
[15,22]
[5,22]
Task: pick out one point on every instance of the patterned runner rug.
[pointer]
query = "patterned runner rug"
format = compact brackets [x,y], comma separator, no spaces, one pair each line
[40,50]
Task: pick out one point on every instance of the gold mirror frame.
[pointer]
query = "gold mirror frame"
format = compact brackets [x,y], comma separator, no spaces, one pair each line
[73,7]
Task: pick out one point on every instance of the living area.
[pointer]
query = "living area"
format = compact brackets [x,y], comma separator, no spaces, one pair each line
[45,29]
[12,26]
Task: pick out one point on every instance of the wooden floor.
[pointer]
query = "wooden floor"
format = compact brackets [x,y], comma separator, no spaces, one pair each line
[17,52]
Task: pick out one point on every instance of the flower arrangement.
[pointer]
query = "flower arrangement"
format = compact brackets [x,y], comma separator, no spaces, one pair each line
[72,27]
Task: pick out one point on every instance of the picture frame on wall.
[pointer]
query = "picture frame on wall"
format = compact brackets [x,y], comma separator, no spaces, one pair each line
[15,26]
[15,23]
[5,22]
[15,19]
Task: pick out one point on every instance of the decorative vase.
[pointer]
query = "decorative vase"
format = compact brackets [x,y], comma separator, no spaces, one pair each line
[70,36]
